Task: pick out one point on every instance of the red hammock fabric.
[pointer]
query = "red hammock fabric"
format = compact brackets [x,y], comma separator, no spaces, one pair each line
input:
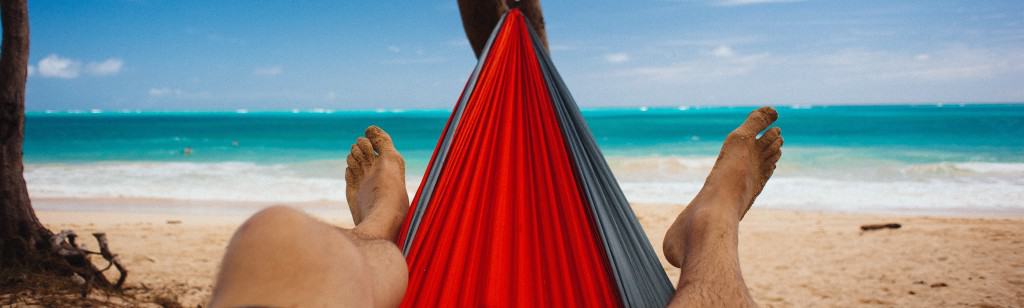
[507,223]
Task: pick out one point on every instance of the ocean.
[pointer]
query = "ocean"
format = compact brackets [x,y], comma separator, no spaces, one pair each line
[937,158]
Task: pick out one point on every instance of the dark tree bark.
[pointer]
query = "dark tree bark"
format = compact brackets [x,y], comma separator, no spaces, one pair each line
[22,237]
[480,16]
[25,244]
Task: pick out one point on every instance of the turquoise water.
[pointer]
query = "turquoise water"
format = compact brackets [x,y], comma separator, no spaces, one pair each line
[916,156]
[925,133]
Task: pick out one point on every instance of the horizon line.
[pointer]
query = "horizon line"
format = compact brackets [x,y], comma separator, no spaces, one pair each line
[95,111]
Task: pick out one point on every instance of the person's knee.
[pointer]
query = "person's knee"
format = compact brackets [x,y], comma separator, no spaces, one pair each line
[273,227]
[281,237]
[277,214]
[281,255]
[274,219]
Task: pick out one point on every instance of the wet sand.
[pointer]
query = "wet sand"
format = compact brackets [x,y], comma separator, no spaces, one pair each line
[789,258]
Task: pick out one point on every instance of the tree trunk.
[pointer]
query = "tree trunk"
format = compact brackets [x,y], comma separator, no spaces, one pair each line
[22,237]
[26,245]
[479,17]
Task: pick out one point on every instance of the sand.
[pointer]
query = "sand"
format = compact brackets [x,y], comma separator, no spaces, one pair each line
[789,258]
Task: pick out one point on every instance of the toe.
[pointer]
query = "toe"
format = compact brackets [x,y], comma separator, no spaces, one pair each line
[774,156]
[757,121]
[380,140]
[352,175]
[771,159]
[770,136]
[349,175]
[351,160]
[773,146]
[360,158]
[777,144]
[767,171]
[365,146]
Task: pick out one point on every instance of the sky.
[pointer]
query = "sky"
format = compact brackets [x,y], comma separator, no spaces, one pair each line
[355,54]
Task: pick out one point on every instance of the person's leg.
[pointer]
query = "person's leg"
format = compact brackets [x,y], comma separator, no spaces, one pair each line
[283,257]
[702,241]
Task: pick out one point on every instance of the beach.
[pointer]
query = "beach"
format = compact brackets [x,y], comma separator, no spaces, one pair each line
[957,190]
[789,258]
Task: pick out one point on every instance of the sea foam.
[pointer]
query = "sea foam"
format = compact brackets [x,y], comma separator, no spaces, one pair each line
[662,180]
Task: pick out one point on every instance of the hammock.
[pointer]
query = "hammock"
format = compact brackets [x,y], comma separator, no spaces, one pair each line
[517,206]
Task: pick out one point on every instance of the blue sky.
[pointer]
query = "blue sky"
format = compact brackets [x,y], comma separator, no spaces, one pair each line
[202,55]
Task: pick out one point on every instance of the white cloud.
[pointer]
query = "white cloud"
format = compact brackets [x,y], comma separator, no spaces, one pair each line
[723,51]
[31,70]
[421,60]
[158,92]
[750,2]
[845,66]
[709,41]
[618,57]
[58,67]
[108,67]
[956,63]
[699,70]
[268,71]
[177,93]
[394,49]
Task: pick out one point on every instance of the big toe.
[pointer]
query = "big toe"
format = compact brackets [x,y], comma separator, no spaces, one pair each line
[757,121]
[380,140]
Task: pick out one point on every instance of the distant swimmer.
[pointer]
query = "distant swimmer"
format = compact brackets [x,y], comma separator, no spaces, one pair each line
[186,151]
[234,143]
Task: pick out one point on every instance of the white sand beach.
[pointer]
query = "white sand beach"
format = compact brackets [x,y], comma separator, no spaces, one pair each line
[789,258]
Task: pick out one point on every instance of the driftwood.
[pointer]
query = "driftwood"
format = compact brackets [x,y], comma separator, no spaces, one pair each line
[873,227]
[65,245]
[101,238]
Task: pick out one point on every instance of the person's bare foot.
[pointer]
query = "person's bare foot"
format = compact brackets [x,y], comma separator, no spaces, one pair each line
[743,167]
[375,185]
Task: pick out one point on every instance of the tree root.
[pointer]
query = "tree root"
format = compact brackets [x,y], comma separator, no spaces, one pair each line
[81,266]
[45,282]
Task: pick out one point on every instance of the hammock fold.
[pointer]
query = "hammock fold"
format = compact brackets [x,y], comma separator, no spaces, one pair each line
[518,206]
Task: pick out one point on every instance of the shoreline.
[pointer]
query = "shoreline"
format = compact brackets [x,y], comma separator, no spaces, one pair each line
[338,209]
